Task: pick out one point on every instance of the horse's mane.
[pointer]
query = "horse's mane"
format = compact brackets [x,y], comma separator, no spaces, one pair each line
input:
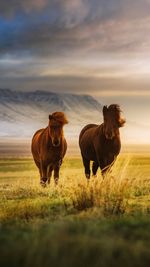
[115,108]
[116,111]
[59,117]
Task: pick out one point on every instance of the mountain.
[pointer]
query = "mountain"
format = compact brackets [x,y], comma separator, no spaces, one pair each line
[22,113]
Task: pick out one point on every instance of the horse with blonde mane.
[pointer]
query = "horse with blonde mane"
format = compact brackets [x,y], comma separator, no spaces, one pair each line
[101,143]
[49,147]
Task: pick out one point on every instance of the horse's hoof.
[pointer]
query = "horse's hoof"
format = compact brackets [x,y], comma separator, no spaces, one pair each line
[44,179]
[42,183]
[56,181]
[87,176]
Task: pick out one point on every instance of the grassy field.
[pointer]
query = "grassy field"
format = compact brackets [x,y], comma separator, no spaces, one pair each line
[103,223]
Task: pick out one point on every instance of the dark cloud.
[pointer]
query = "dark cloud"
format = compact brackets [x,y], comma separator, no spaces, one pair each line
[79,84]
[8,9]
[55,27]
[86,9]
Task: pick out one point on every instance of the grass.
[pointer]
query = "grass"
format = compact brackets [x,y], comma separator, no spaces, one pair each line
[103,223]
[77,242]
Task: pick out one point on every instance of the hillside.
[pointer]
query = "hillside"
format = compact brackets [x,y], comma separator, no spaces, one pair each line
[21,113]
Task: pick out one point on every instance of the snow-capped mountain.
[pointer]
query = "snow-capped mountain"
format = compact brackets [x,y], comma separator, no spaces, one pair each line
[22,113]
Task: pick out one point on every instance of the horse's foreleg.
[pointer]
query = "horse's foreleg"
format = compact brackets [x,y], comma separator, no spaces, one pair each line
[43,171]
[86,164]
[102,164]
[40,172]
[107,165]
[38,164]
[49,173]
[94,168]
[56,173]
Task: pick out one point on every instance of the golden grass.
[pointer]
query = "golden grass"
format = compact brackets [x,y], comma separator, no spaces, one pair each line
[123,190]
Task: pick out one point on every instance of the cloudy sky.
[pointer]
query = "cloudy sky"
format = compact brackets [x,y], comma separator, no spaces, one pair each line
[97,47]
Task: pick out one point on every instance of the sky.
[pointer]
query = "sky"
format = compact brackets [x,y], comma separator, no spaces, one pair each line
[96,47]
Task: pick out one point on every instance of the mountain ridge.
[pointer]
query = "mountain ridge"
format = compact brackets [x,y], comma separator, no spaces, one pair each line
[22,112]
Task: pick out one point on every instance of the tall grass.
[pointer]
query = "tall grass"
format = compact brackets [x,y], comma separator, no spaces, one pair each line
[114,193]
[122,190]
[75,223]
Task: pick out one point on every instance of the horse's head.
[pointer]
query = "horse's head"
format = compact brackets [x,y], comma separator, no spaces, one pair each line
[112,121]
[56,122]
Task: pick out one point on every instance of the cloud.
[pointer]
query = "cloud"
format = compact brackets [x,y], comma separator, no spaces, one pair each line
[8,10]
[44,39]
[67,40]
[31,77]
[79,28]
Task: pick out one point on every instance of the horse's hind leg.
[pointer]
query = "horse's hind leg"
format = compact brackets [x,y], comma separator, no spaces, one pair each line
[94,168]
[86,164]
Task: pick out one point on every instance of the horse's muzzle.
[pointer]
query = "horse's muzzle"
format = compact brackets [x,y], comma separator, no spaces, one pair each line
[56,143]
[109,136]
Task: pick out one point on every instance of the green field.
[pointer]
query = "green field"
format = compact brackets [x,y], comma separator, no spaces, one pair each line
[103,223]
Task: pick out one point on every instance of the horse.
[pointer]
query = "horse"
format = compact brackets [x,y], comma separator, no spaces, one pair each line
[49,147]
[101,143]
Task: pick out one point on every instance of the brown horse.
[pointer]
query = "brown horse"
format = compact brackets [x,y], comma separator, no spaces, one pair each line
[49,147]
[101,143]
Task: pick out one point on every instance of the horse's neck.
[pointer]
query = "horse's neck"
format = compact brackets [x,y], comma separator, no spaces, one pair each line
[101,129]
[48,136]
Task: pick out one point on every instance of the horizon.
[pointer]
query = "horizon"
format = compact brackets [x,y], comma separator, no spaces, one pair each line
[14,147]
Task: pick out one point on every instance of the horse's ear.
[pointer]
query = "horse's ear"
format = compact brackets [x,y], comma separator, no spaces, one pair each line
[50,117]
[105,109]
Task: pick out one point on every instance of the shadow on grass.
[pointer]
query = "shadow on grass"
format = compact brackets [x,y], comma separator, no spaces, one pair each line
[77,242]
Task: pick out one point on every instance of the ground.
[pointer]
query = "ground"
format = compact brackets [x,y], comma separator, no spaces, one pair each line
[103,223]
